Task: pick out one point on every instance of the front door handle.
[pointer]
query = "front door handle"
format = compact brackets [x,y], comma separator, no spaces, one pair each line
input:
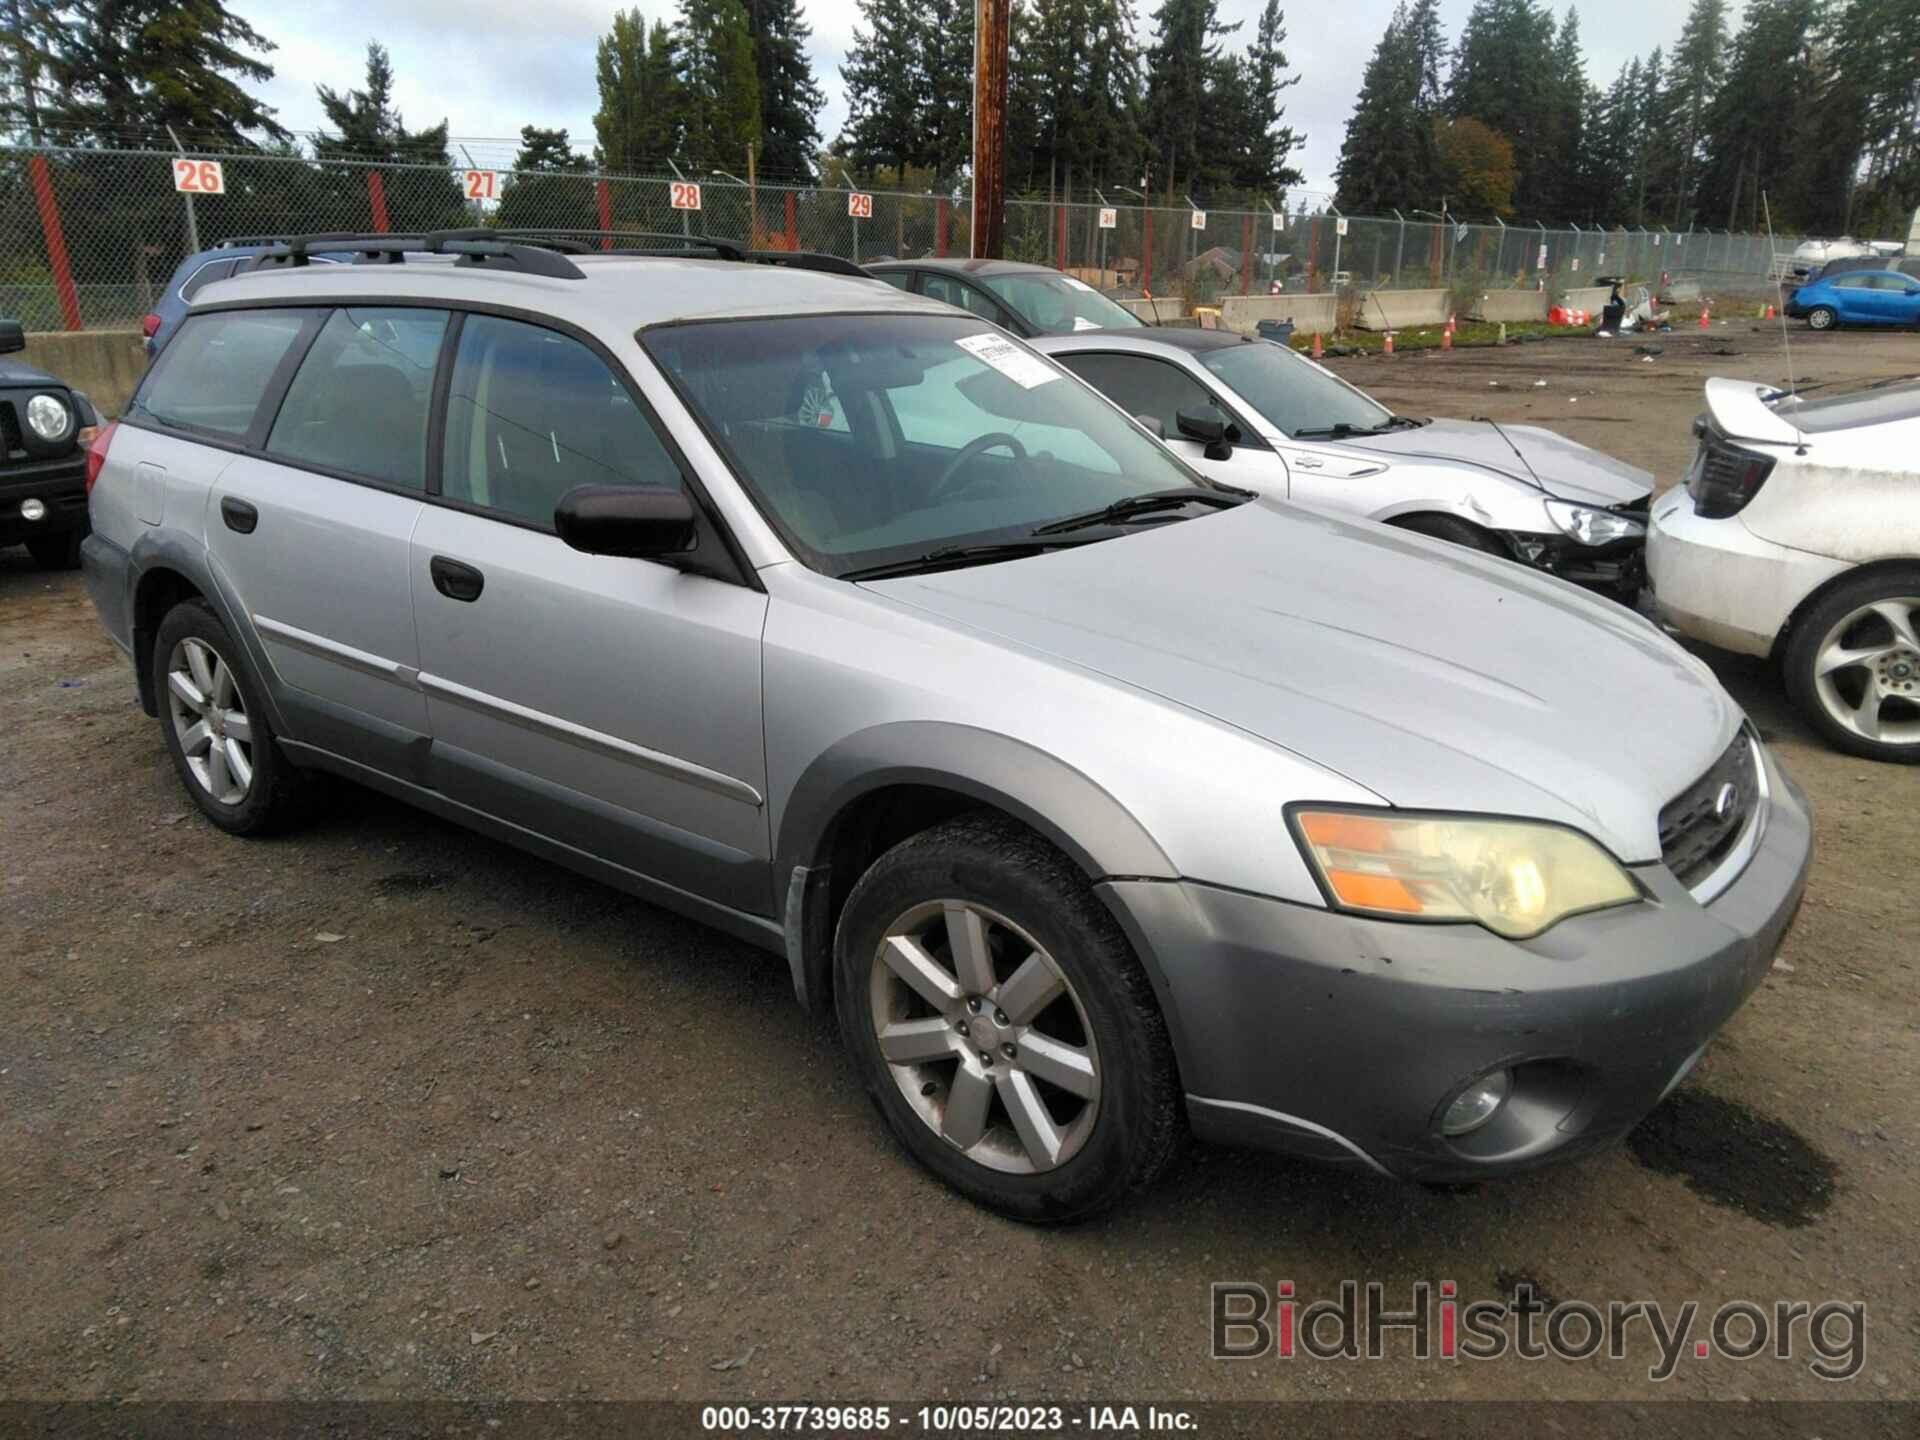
[239,515]
[455,580]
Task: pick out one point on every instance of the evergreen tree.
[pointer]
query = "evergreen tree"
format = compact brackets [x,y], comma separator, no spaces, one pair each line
[1762,111]
[1271,141]
[1503,76]
[120,69]
[1869,108]
[370,129]
[638,123]
[538,195]
[719,84]
[1567,188]
[30,30]
[1388,159]
[1693,81]
[945,81]
[790,98]
[884,85]
[1194,93]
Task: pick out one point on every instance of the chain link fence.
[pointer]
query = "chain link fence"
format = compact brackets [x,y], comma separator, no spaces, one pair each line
[89,238]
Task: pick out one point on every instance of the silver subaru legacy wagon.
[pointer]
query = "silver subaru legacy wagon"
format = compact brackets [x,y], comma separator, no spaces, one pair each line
[1100,803]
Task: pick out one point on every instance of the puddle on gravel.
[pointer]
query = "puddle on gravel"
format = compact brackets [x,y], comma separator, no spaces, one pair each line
[1736,1157]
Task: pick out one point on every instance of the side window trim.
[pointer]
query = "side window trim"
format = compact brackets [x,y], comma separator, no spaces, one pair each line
[281,381]
[437,404]
[270,398]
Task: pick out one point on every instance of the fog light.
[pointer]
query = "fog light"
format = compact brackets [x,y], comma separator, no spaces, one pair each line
[1477,1104]
[33,509]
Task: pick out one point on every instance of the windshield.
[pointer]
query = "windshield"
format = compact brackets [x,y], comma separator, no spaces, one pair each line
[1293,394]
[868,439]
[1058,304]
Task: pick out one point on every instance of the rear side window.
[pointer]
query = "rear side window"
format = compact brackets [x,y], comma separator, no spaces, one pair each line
[205,275]
[360,400]
[213,372]
[533,413]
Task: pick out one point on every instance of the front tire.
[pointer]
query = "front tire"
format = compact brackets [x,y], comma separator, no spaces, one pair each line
[1003,1025]
[1853,665]
[1822,317]
[214,716]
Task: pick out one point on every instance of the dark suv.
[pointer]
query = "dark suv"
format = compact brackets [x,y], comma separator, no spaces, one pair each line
[45,428]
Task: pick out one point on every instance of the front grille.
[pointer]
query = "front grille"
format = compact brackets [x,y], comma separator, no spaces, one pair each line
[1700,826]
[12,447]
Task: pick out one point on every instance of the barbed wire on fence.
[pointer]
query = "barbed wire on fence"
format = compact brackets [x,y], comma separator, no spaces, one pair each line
[89,236]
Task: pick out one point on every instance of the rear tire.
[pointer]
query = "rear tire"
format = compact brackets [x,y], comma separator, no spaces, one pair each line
[57,552]
[1042,1083]
[1455,532]
[1853,665]
[1822,317]
[213,713]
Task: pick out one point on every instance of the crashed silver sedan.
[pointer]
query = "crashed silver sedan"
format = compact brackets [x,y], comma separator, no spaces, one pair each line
[1255,414]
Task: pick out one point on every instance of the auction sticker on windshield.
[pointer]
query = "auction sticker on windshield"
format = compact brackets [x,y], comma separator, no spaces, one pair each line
[1025,370]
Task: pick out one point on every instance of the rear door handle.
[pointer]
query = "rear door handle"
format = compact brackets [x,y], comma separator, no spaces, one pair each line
[239,515]
[455,580]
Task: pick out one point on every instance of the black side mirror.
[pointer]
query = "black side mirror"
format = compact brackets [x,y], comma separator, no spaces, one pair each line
[12,337]
[1208,425]
[641,522]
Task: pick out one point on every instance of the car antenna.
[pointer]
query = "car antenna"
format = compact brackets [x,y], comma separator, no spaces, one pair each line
[1793,388]
[1519,454]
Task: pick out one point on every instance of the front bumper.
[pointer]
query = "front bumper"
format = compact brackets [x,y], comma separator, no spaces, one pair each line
[1344,1038]
[61,485]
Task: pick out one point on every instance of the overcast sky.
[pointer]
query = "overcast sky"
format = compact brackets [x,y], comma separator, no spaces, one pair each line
[490,66]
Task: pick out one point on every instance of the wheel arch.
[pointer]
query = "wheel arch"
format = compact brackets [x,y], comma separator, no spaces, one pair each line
[882,785]
[1784,637]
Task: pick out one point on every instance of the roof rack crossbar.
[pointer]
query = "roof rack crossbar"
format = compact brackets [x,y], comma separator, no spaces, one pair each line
[472,246]
[541,251]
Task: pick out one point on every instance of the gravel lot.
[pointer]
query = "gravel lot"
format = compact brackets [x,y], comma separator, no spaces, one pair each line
[384,1109]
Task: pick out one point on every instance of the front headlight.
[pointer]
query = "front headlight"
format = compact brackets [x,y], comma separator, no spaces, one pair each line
[1515,877]
[1590,526]
[48,417]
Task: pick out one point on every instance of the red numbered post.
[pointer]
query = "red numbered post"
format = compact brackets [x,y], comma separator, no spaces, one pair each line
[481,184]
[684,195]
[860,205]
[199,177]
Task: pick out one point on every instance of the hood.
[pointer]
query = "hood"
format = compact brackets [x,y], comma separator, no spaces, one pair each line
[1433,676]
[18,372]
[1568,470]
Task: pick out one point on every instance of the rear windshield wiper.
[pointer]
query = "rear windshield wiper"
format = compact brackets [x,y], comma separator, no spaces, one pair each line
[1129,506]
[953,557]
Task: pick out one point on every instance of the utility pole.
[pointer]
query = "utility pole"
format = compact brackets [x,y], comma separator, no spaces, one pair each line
[991,19]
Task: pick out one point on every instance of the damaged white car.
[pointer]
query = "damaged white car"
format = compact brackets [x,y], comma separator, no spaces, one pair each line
[1797,536]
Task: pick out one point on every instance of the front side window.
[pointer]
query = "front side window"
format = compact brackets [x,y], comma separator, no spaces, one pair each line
[1059,304]
[1294,395]
[1152,391]
[950,291]
[956,435]
[899,279]
[213,373]
[360,401]
[531,413]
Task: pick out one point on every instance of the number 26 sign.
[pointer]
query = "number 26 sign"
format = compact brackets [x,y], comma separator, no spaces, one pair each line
[199,177]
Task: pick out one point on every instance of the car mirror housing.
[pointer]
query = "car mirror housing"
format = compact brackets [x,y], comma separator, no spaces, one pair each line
[1208,425]
[640,522]
[13,336]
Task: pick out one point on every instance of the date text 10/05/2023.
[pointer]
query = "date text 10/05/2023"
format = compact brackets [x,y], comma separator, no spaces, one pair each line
[947,1419]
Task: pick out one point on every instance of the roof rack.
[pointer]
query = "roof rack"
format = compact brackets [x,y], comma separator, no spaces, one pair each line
[679,246]
[536,251]
[476,246]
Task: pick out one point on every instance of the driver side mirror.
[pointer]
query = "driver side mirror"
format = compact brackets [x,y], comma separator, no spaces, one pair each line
[641,522]
[1208,425]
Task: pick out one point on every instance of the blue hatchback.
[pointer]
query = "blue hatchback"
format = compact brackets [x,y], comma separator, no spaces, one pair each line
[227,258]
[1858,297]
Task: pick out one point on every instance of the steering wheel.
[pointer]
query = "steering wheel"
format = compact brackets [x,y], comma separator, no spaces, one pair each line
[944,488]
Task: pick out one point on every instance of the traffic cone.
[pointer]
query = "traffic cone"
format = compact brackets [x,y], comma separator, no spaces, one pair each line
[1389,347]
[1318,352]
[1705,314]
[1446,337]
[1772,314]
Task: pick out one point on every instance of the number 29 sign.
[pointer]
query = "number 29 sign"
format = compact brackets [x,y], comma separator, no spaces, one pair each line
[859,205]
[199,177]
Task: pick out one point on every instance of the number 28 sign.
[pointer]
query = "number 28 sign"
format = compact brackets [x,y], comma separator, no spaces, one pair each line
[859,205]
[683,195]
[199,177]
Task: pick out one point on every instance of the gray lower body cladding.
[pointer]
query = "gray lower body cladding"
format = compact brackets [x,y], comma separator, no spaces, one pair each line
[1344,1038]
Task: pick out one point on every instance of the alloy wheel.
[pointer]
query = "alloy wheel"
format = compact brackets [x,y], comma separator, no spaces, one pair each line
[983,1034]
[1866,672]
[210,720]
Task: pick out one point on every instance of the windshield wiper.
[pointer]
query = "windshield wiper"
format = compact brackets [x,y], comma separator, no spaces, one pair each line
[953,557]
[1345,431]
[1129,506]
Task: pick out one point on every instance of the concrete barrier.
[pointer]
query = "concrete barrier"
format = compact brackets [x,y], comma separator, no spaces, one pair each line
[1243,313]
[1399,309]
[1158,309]
[106,364]
[1510,307]
[1592,298]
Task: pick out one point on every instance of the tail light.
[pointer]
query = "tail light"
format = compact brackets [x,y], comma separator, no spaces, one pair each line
[149,324]
[97,452]
[1725,478]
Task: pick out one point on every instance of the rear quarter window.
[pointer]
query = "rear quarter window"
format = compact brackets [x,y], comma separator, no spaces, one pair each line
[213,373]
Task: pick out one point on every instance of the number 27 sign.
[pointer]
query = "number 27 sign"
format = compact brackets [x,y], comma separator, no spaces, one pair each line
[199,177]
